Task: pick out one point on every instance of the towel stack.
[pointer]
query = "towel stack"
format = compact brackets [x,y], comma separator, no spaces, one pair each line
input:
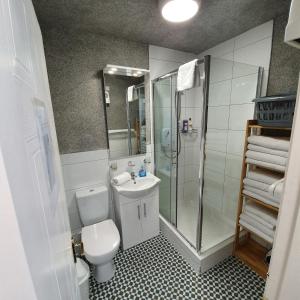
[259,220]
[268,152]
[258,184]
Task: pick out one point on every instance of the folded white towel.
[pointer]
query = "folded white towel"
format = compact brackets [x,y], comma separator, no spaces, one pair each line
[282,144]
[257,231]
[261,198]
[186,75]
[259,220]
[268,150]
[266,195]
[130,91]
[276,189]
[269,158]
[264,176]
[257,184]
[264,164]
[257,225]
[261,212]
[122,178]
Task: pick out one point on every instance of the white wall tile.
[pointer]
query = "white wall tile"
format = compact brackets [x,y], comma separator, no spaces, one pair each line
[219,93]
[216,140]
[258,54]
[168,54]
[236,141]
[244,89]
[80,157]
[191,155]
[213,189]
[220,50]
[233,166]
[220,69]
[239,114]
[85,174]
[242,69]
[215,161]
[218,117]
[194,97]
[253,35]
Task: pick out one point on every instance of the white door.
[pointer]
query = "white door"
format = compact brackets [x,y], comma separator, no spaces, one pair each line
[150,220]
[31,164]
[131,214]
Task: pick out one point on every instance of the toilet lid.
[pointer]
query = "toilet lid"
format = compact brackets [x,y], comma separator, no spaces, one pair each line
[100,238]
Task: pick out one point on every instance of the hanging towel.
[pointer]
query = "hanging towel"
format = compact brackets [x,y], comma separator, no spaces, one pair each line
[260,197]
[130,91]
[257,231]
[282,144]
[257,225]
[267,165]
[186,75]
[259,220]
[256,184]
[264,176]
[268,150]
[122,178]
[268,158]
[261,212]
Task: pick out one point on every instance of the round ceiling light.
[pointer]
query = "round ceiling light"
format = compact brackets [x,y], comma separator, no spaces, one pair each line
[179,10]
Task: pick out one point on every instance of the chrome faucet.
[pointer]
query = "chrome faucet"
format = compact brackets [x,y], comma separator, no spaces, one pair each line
[132,174]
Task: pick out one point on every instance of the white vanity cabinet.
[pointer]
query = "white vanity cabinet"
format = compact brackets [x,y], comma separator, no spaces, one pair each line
[137,218]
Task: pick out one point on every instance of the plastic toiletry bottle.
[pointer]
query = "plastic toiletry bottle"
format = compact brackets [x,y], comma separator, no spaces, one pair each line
[190,125]
[142,171]
[185,126]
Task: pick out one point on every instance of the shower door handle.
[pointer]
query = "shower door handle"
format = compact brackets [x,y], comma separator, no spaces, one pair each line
[139,212]
[145,210]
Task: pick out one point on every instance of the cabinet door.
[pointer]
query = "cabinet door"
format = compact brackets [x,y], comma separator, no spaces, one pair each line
[131,214]
[150,216]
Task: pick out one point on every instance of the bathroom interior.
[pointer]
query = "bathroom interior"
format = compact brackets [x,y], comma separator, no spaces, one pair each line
[168,137]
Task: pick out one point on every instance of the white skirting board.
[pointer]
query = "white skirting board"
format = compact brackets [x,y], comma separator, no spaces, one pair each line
[199,262]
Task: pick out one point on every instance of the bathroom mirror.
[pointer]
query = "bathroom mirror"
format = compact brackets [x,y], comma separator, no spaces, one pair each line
[126,97]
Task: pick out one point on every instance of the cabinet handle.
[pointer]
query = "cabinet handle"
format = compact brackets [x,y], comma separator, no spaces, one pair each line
[139,212]
[145,210]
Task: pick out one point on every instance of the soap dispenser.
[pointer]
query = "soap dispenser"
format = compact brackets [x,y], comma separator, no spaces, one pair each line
[142,171]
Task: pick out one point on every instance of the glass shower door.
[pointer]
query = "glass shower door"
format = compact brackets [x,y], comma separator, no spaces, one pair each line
[165,146]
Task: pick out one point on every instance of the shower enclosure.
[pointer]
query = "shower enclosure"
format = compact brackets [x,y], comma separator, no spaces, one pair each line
[200,169]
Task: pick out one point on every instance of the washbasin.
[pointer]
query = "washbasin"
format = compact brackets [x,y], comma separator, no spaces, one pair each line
[139,187]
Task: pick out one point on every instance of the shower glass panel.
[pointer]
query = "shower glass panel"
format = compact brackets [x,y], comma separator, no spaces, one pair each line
[165,145]
[232,88]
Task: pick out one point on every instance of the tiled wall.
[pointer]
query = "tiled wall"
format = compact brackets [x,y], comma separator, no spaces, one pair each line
[233,83]
[83,170]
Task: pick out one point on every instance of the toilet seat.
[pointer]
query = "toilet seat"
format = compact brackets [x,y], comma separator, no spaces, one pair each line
[101,241]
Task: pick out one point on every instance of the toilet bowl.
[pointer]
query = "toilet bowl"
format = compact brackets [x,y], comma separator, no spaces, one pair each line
[101,243]
[100,236]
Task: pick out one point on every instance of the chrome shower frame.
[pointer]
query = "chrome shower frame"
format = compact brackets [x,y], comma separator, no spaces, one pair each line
[206,62]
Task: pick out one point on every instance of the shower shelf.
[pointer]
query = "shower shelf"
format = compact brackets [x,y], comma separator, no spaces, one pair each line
[246,248]
[194,131]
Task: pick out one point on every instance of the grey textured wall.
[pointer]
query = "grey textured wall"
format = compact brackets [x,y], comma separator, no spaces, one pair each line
[285,61]
[74,60]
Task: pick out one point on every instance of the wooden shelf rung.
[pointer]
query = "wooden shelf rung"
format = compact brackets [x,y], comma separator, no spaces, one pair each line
[269,206]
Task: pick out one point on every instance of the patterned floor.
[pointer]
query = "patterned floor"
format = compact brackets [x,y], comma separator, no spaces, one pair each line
[155,270]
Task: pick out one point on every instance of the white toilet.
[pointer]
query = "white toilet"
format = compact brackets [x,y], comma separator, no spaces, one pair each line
[100,236]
